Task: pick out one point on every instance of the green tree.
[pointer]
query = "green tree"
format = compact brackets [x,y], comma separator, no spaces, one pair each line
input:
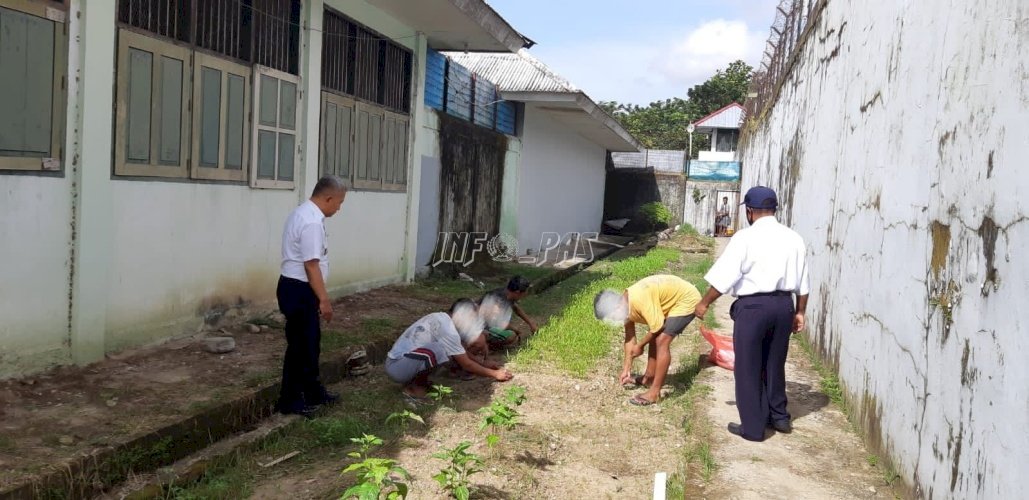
[662,124]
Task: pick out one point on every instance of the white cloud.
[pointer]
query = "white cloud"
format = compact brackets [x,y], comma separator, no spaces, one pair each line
[644,68]
[709,47]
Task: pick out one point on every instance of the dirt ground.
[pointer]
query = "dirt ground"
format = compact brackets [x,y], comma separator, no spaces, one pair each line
[579,438]
[821,458]
[47,419]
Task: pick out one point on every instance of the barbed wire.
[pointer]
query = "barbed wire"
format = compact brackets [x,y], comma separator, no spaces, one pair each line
[791,19]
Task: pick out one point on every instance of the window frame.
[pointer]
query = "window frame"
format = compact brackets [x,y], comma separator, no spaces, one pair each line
[257,127]
[401,156]
[339,100]
[227,67]
[56,13]
[129,39]
[367,183]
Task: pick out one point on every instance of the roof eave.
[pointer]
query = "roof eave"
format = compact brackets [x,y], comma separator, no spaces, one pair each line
[497,26]
[625,142]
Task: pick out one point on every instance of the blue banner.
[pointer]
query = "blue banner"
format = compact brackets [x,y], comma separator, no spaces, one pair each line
[721,171]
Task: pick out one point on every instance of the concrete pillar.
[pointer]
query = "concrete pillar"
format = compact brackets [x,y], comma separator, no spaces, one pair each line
[509,189]
[417,139]
[90,168]
[311,82]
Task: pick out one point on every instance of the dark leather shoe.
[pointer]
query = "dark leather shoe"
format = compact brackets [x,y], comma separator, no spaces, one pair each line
[326,399]
[783,426]
[303,411]
[737,429]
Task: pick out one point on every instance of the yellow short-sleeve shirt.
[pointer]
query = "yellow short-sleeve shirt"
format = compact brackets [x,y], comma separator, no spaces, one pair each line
[654,298]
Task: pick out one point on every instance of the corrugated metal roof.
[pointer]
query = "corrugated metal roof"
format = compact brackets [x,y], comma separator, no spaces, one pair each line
[730,116]
[513,72]
[661,160]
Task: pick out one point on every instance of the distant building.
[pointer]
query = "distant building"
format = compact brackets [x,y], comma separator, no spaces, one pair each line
[713,179]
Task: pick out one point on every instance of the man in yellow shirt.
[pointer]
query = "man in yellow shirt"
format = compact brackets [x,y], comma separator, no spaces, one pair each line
[665,304]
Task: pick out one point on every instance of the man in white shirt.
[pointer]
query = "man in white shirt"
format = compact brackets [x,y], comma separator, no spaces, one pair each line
[437,339]
[763,266]
[303,297]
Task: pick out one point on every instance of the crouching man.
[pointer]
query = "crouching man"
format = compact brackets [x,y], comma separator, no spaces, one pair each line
[664,303]
[436,339]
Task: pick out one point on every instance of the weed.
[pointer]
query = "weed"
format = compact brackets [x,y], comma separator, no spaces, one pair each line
[440,392]
[501,414]
[461,464]
[700,452]
[890,475]
[655,214]
[828,382]
[403,418]
[333,431]
[377,477]
[872,460]
[688,230]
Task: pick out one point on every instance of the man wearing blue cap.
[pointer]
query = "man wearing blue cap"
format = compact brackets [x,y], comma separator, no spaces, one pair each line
[763,266]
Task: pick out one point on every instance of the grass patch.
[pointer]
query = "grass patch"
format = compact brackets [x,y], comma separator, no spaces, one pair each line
[829,381]
[325,437]
[7,443]
[574,340]
[369,330]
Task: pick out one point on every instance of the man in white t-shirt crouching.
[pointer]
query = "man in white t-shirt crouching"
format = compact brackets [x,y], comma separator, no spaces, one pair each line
[436,339]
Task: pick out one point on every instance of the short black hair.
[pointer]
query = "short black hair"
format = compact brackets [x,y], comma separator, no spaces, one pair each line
[518,284]
[461,302]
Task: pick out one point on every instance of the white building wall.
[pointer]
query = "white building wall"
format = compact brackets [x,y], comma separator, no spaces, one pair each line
[561,187]
[897,146]
[93,263]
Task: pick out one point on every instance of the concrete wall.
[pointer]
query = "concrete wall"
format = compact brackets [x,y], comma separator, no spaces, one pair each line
[94,263]
[628,189]
[897,146]
[701,203]
[562,180]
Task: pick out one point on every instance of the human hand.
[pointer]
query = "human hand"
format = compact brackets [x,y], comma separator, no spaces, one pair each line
[502,375]
[798,322]
[700,311]
[325,310]
[625,377]
[637,350]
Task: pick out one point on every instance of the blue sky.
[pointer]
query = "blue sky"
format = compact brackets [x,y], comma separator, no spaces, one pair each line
[640,51]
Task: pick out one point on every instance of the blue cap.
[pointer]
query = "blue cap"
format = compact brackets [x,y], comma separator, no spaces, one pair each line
[761,197]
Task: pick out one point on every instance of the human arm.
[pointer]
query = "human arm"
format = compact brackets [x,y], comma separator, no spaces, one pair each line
[712,295]
[798,317]
[525,317]
[630,346]
[472,366]
[317,282]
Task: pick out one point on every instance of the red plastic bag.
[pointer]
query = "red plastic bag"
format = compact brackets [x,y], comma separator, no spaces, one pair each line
[722,353]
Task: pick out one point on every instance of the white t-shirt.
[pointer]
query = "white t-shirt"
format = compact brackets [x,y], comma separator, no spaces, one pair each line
[765,257]
[436,327]
[303,239]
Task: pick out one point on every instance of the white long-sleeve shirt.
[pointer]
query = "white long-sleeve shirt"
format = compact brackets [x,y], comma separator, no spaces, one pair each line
[765,257]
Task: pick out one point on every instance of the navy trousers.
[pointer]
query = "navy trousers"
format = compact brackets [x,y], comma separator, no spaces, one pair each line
[761,340]
[300,379]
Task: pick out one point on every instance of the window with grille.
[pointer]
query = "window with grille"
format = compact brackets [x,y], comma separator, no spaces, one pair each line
[365,112]
[265,32]
[33,63]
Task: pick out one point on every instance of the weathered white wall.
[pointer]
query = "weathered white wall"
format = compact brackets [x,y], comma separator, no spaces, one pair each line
[35,218]
[702,201]
[898,147]
[93,263]
[561,187]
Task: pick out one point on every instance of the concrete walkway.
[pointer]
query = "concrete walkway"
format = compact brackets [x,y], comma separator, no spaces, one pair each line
[822,458]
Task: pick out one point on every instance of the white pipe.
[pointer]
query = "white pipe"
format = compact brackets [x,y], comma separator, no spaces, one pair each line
[659,485]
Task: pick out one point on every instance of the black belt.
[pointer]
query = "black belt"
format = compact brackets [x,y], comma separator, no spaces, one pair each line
[777,293]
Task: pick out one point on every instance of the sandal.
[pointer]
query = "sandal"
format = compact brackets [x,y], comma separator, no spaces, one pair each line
[639,400]
[637,381]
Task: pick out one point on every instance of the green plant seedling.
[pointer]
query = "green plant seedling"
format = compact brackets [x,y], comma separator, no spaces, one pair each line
[440,392]
[461,464]
[501,414]
[403,419]
[377,477]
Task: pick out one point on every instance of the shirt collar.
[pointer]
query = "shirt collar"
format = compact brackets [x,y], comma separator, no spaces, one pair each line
[314,209]
[765,221]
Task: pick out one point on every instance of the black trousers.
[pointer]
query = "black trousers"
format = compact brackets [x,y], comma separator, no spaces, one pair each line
[761,340]
[300,379]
